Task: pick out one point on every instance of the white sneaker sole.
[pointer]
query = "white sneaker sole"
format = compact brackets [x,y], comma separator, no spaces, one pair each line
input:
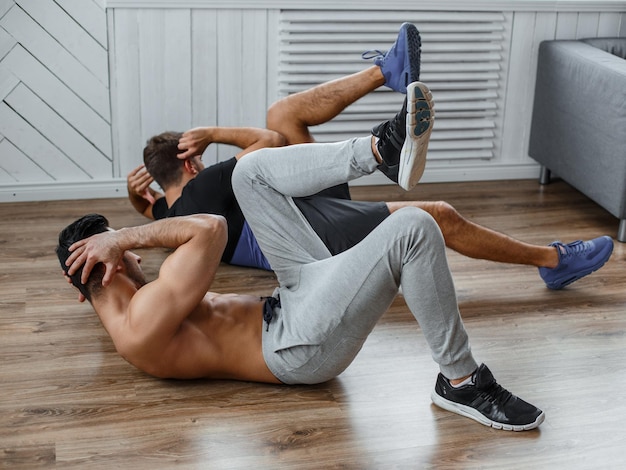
[420,114]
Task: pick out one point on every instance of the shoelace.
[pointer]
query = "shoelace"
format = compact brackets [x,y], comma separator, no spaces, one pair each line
[373,54]
[268,309]
[572,249]
[495,393]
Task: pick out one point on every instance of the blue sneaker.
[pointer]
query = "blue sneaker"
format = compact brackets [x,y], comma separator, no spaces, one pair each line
[401,64]
[576,260]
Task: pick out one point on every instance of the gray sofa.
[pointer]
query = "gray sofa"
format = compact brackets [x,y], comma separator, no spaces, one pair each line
[578,129]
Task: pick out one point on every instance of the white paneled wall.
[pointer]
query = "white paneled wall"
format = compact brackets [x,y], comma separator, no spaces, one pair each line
[55,116]
[181,68]
[84,83]
[479,64]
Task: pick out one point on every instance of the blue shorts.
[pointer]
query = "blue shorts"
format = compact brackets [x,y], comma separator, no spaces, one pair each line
[247,252]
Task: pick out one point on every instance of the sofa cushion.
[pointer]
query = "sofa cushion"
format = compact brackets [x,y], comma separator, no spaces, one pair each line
[615,46]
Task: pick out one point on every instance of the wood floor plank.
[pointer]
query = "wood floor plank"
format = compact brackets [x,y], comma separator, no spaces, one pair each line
[69,401]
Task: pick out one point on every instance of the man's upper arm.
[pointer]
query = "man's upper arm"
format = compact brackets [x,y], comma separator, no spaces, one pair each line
[158,309]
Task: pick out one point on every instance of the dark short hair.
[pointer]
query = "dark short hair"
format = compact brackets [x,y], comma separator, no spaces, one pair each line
[84,227]
[160,158]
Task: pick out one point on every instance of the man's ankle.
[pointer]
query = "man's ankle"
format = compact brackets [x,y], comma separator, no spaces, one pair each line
[457,382]
[377,156]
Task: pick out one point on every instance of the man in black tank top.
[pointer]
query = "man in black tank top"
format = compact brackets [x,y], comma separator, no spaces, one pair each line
[174,161]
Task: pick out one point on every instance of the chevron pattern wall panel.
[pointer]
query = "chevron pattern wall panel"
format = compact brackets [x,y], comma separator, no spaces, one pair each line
[55,116]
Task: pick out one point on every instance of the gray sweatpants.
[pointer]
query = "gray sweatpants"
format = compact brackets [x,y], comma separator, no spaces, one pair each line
[330,304]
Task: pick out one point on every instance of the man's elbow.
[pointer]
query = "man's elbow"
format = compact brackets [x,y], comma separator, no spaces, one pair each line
[213,226]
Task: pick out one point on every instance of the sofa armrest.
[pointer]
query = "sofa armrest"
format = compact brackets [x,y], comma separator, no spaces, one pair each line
[615,46]
[578,127]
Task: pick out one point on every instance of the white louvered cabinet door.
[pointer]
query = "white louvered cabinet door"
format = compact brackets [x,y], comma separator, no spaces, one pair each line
[464,56]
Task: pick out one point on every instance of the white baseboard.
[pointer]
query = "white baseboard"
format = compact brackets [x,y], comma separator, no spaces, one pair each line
[459,174]
[117,188]
[65,190]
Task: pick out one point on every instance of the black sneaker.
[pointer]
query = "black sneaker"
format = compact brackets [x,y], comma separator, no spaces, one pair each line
[403,140]
[391,135]
[487,402]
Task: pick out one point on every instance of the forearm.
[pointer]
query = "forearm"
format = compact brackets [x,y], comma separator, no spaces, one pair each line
[172,232]
[195,141]
[203,236]
[246,138]
[141,204]
[140,194]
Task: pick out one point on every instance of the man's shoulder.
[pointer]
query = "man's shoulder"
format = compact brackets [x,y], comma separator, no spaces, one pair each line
[216,170]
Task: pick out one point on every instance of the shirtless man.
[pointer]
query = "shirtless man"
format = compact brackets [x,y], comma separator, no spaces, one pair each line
[318,318]
[174,160]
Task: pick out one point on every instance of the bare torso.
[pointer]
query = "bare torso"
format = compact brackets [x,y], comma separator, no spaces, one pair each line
[220,339]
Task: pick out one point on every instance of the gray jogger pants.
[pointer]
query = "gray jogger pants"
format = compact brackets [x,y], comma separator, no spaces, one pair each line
[330,304]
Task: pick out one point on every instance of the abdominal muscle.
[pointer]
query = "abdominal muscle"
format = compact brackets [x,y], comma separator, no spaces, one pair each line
[221,339]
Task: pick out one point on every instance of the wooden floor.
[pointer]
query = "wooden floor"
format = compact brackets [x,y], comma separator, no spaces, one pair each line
[68,401]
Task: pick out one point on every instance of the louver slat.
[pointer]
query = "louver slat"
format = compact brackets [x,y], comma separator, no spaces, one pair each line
[462,62]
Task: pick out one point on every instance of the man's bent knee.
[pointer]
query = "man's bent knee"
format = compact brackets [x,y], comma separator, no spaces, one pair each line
[282,118]
[447,217]
[276,116]
[246,169]
[414,218]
